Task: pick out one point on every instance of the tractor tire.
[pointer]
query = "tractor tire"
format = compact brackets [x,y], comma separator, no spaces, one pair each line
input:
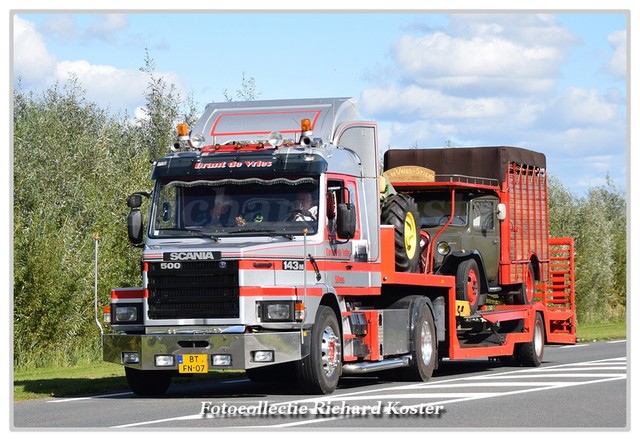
[401,211]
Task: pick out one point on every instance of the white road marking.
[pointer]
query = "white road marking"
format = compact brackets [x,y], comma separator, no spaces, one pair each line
[591,372]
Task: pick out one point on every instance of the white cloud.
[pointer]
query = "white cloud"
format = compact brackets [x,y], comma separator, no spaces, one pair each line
[486,55]
[109,86]
[105,26]
[60,26]
[31,60]
[414,102]
[577,107]
[618,63]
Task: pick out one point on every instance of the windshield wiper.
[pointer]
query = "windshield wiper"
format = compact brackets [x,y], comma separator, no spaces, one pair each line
[270,233]
[191,232]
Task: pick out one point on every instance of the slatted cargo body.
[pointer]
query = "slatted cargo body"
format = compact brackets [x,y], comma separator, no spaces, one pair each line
[528,218]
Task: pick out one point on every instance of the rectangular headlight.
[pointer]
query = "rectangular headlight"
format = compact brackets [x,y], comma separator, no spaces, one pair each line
[164,360]
[127,314]
[276,311]
[263,356]
[221,360]
[130,358]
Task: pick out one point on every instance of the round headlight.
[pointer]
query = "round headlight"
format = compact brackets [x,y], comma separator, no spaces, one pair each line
[443,248]
[197,140]
[275,139]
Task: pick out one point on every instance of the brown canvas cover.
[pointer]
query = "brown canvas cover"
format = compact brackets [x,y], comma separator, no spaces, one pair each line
[485,162]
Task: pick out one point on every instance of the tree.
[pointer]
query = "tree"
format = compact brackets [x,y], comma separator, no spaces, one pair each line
[247,91]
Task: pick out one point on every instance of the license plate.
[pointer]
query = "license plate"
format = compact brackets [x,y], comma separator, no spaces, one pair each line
[193,364]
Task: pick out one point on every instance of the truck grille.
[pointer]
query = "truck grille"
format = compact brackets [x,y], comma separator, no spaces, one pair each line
[195,290]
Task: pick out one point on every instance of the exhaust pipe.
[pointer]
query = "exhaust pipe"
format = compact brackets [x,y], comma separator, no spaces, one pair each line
[375,366]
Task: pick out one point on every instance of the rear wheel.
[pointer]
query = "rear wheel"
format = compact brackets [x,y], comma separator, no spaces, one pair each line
[148,383]
[527,294]
[401,211]
[424,352]
[530,353]
[468,283]
[320,371]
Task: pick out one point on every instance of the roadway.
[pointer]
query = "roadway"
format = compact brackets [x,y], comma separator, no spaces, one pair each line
[576,387]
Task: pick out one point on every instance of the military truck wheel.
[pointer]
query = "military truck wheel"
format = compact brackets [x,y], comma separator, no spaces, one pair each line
[319,372]
[468,283]
[148,383]
[530,353]
[527,295]
[401,211]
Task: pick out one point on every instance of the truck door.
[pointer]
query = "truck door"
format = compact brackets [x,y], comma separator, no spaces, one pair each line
[485,234]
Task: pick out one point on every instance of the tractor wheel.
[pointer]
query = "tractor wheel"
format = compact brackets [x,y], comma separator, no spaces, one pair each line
[400,210]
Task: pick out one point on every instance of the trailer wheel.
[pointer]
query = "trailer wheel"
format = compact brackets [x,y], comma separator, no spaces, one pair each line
[319,372]
[527,294]
[468,283]
[530,353]
[401,211]
[147,383]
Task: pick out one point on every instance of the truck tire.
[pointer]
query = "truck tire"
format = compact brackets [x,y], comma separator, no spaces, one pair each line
[401,211]
[283,372]
[147,383]
[530,353]
[468,283]
[319,372]
[527,294]
[425,352]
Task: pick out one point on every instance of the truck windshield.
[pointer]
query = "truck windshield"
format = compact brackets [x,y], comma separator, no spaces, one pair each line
[234,207]
[434,209]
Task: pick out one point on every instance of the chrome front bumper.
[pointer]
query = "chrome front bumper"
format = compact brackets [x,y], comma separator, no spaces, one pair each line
[287,346]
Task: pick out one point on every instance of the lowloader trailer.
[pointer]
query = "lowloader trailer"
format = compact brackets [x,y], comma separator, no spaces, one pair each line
[275,244]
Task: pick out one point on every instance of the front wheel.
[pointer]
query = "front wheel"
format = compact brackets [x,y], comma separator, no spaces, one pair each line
[320,371]
[148,383]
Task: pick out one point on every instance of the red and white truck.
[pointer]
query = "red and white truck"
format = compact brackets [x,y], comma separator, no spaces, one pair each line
[276,245]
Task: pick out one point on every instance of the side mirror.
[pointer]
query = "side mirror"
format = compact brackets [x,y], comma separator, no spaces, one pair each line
[346,222]
[134,219]
[134,201]
[502,212]
[134,226]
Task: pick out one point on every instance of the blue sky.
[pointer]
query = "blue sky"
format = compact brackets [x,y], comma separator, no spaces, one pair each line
[552,82]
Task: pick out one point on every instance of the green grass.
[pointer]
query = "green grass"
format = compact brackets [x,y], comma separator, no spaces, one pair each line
[602,331]
[101,377]
[94,378]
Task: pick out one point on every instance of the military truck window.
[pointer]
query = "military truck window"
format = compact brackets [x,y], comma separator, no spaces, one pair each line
[482,215]
[229,207]
[434,209]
